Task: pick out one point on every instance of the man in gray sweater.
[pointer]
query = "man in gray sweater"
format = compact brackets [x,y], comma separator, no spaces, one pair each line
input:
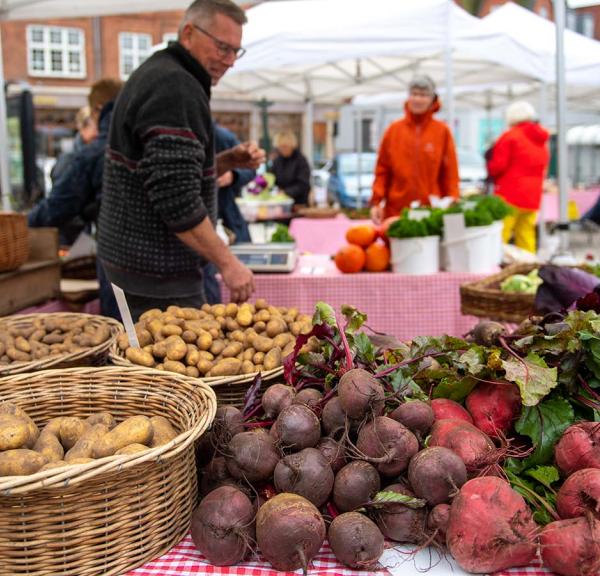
[159,204]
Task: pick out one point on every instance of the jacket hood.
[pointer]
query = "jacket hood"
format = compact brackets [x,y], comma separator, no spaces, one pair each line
[534,132]
[436,105]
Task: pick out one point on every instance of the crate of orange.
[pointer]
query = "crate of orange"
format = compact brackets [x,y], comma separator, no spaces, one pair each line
[366,251]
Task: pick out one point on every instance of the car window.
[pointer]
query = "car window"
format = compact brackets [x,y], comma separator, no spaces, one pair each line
[349,163]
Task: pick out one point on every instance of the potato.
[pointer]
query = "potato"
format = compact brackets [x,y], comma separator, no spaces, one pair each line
[248,354]
[295,328]
[22,344]
[272,359]
[159,349]
[17,355]
[2,348]
[248,367]
[260,304]
[14,432]
[192,357]
[189,336]
[262,343]
[231,310]
[10,408]
[232,349]
[238,336]
[71,430]
[281,340]
[144,337]
[226,367]
[80,461]
[289,348]
[37,335]
[150,314]
[155,328]
[131,449]
[215,333]
[292,313]
[206,355]
[53,465]
[171,330]
[258,358]
[175,311]
[101,335]
[175,366]
[231,324]
[140,357]
[217,347]
[53,426]
[275,327]
[84,446]
[40,350]
[20,462]
[244,316]
[123,341]
[105,418]
[218,310]
[260,326]
[262,316]
[163,431]
[134,430]
[205,341]
[176,348]
[190,313]
[204,366]
[49,446]
[192,372]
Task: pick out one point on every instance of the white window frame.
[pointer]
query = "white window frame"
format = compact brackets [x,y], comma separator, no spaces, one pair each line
[47,47]
[587,24]
[137,55]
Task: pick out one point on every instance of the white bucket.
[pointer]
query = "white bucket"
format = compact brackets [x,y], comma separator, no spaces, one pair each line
[415,255]
[473,252]
[496,240]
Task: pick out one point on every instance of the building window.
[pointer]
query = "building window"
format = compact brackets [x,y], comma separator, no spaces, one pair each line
[55,51]
[133,50]
[169,37]
[587,24]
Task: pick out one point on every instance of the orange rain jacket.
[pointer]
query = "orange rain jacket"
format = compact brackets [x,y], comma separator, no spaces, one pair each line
[417,159]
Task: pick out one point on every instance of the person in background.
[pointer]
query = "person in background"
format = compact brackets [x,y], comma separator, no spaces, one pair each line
[291,168]
[417,156]
[517,164]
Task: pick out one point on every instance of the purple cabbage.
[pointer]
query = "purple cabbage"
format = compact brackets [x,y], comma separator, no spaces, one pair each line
[562,286]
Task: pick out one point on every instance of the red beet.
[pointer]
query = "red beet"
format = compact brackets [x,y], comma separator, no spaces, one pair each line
[389,441]
[402,523]
[228,421]
[579,447]
[355,540]
[289,531]
[223,526]
[333,417]
[436,474]
[355,484]
[308,396]
[333,452]
[580,494]
[214,474]
[416,415]
[444,409]
[252,456]
[306,473]
[275,398]
[437,521]
[487,333]
[491,527]
[572,547]
[361,394]
[494,407]
[297,427]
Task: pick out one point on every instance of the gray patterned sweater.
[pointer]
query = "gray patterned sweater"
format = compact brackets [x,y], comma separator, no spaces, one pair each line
[159,176]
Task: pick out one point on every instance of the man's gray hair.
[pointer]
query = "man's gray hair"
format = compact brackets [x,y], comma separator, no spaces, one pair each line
[203,11]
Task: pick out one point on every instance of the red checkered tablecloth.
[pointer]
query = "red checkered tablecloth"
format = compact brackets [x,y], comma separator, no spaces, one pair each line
[185,560]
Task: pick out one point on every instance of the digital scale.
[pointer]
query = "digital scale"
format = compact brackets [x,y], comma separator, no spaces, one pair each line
[276,257]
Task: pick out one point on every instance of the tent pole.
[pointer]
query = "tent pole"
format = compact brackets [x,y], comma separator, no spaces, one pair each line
[4,148]
[561,124]
[307,139]
[449,104]
[359,133]
[542,117]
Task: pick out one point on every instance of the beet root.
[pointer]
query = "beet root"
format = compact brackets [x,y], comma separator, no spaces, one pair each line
[572,547]
[214,474]
[355,540]
[491,528]
[354,485]
[289,531]
[579,447]
[443,408]
[333,417]
[437,522]
[228,421]
[333,452]
[388,442]
[580,494]
[494,407]
[308,396]
[252,456]
[297,427]
[402,523]
[275,398]
[487,333]
[306,473]
[361,394]
[436,474]
[223,526]
[416,415]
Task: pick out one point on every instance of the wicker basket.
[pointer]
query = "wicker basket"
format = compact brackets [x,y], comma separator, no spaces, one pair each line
[485,298]
[14,240]
[95,356]
[114,514]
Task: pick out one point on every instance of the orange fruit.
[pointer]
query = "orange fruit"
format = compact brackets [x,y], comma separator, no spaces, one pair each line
[350,258]
[378,257]
[362,235]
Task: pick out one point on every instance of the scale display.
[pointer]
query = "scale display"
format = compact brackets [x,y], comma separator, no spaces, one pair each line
[266,257]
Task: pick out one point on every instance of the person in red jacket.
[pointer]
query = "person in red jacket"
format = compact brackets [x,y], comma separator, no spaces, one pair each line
[517,165]
[417,156]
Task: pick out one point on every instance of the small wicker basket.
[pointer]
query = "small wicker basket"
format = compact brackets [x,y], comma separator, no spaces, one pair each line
[116,513]
[94,356]
[484,297]
[14,241]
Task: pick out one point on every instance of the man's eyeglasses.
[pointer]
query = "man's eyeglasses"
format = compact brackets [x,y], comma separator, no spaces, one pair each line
[223,48]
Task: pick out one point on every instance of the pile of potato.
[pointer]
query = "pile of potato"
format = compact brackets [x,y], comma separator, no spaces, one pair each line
[218,340]
[69,440]
[50,336]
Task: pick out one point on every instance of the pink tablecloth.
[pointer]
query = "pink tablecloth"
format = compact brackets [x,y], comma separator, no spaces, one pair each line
[321,235]
[584,199]
[92,307]
[402,305]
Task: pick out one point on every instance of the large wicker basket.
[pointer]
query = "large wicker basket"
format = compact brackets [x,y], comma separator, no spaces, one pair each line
[116,513]
[484,297]
[14,240]
[93,356]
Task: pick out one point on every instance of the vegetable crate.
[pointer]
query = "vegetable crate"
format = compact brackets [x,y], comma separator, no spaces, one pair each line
[113,514]
[484,297]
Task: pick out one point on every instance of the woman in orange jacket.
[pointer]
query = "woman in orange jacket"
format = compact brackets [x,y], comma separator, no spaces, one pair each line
[417,156]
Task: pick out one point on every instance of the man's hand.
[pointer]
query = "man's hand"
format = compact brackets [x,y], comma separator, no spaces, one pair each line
[245,155]
[377,214]
[225,179]
[239,279]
